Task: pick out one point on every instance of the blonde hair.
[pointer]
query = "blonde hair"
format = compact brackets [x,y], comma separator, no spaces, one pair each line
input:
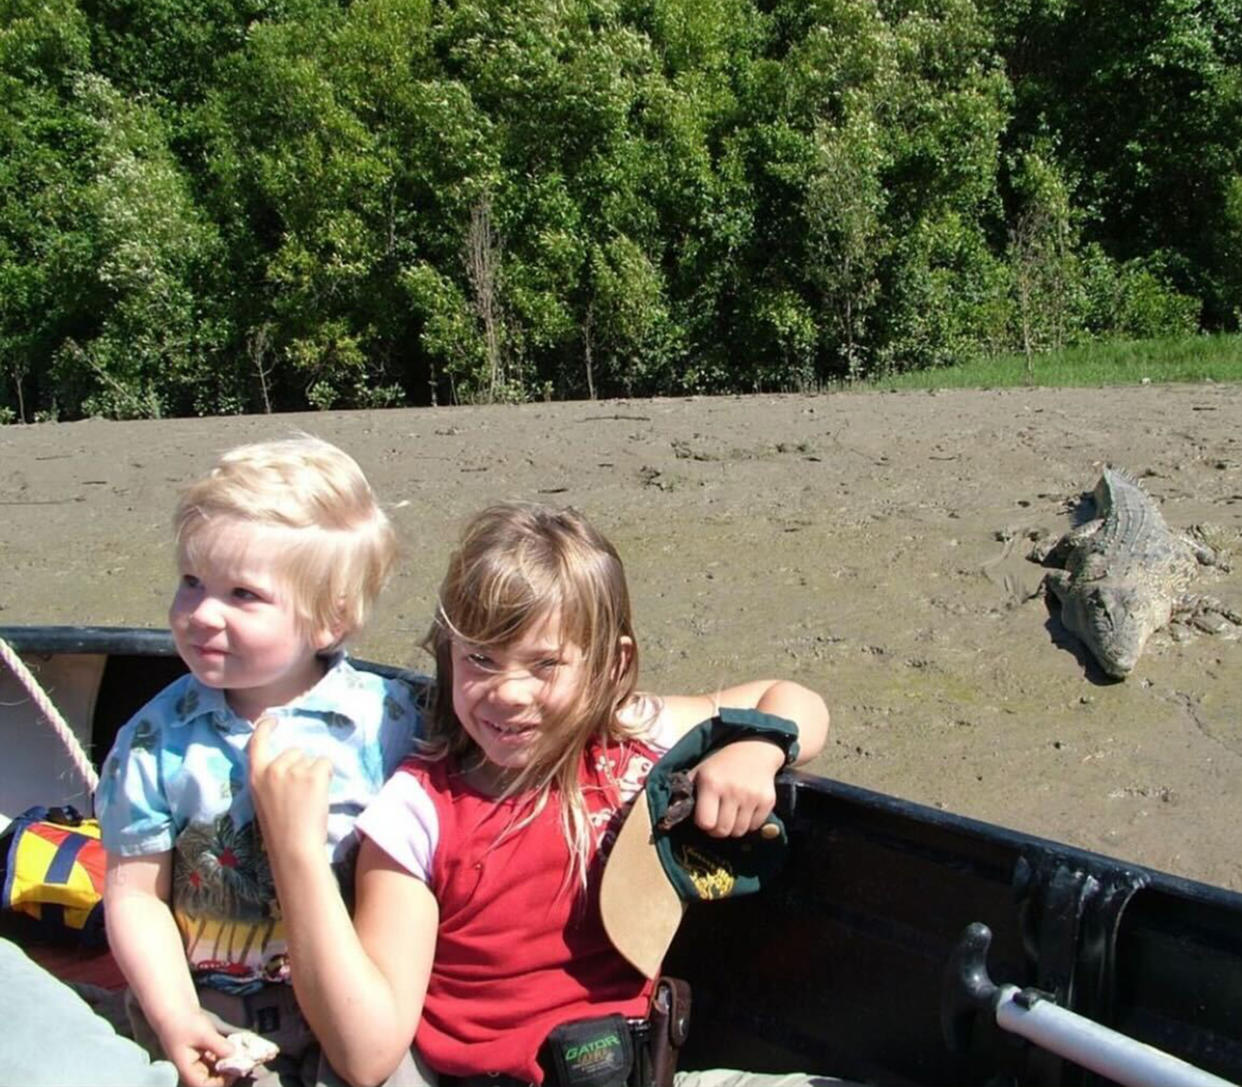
[515,565]
[338,545]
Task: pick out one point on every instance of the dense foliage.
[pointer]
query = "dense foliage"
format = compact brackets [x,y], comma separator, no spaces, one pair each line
[244,205]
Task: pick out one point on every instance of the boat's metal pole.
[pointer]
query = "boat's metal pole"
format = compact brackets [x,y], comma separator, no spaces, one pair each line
[1106,1052]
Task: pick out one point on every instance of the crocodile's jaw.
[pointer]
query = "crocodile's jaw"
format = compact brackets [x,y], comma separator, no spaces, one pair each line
[1117,665]
[1115,622]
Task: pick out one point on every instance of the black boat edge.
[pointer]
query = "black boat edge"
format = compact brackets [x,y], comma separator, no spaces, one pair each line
[864,959]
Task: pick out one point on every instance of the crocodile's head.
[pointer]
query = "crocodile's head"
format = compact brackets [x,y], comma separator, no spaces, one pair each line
[1116,621]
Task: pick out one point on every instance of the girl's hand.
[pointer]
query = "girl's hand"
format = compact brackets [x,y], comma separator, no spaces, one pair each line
[735,787]
[193,1045]
[290,793]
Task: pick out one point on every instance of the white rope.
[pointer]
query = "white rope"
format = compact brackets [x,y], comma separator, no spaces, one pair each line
[51,714]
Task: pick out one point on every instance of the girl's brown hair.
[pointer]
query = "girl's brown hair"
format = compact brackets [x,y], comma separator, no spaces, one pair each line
[515,565]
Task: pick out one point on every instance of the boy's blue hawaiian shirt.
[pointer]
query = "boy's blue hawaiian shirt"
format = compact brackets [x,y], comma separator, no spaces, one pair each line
[176,779]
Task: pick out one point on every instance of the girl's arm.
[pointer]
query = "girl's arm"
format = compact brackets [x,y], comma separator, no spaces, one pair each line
[361,989]
[147,947]
[396,918]
[735,786]
[781,697]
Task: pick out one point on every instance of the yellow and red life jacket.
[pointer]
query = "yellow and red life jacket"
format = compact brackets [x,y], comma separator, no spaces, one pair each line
[53,873]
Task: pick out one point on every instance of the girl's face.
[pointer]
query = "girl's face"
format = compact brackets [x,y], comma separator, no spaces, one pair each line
[506,697]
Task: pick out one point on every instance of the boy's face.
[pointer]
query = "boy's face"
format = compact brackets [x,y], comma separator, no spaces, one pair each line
[234,622]
[505,697]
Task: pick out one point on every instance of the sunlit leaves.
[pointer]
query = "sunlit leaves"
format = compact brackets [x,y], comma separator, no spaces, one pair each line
[217,205]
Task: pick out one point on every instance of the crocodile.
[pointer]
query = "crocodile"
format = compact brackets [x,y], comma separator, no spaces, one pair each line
[1125,574]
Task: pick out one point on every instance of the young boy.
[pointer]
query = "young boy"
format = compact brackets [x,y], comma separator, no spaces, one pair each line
[281,551]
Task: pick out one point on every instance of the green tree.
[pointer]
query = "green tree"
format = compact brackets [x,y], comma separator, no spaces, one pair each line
[877,175]
[1043,258]
[340,163]
[1146,103]
[848,242]
[153,350]
[46,243]
[102,251]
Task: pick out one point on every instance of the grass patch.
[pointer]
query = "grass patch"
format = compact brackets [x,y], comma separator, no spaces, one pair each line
[1118,362]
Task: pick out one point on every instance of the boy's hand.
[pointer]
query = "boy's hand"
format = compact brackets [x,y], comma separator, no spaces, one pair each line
[290,792]
[193,1045]
[735,787]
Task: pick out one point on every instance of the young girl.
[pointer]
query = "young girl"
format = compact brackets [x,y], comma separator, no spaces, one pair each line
[477,928]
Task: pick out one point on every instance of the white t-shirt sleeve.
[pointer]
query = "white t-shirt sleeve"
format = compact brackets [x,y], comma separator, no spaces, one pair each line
[663,734]
[647,715]
[402,821]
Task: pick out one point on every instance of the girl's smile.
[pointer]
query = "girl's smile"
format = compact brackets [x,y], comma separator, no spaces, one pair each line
[515,731]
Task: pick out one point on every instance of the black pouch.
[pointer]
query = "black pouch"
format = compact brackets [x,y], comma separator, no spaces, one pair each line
[590,1052]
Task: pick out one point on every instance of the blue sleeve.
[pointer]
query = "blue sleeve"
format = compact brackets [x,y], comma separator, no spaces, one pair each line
[135,818]
[402,723]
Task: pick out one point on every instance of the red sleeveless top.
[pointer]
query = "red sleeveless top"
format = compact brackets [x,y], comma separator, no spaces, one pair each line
[518,952]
